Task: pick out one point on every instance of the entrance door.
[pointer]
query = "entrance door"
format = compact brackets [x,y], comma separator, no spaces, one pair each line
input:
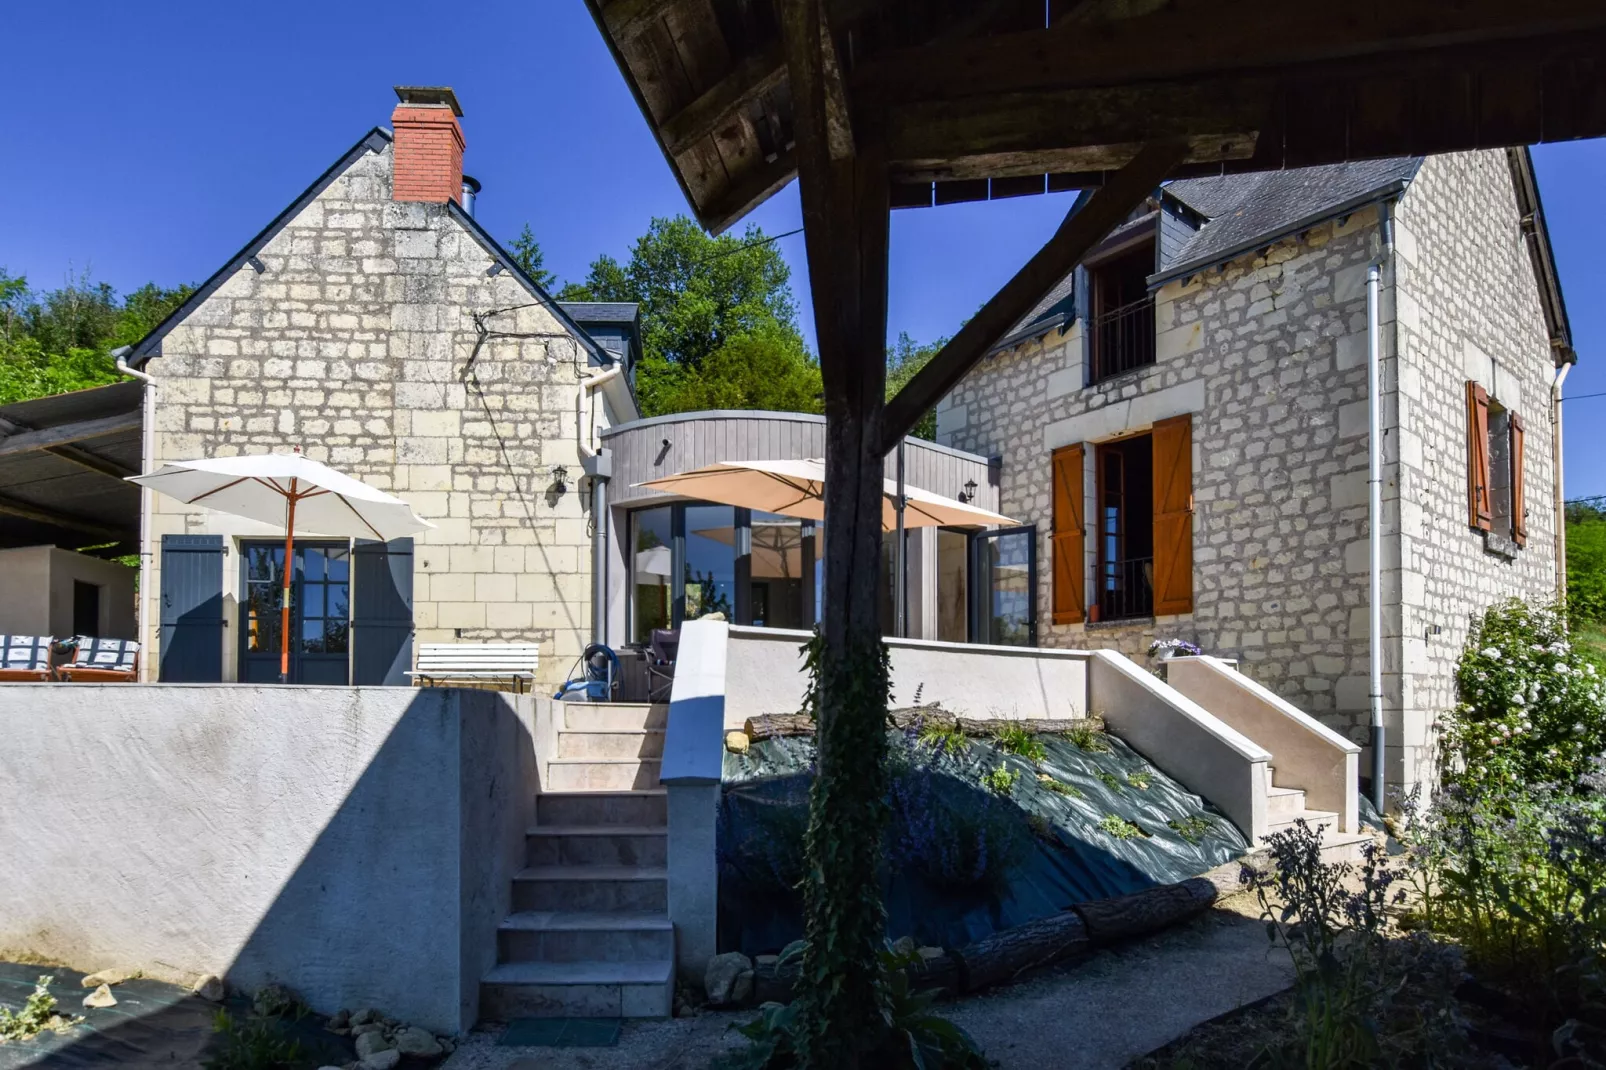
[1004,591]
[320,613]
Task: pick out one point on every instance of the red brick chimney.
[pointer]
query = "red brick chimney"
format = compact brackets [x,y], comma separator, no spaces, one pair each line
[429,145]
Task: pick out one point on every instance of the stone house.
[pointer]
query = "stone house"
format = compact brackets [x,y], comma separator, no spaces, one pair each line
[376,326]
[1184,424]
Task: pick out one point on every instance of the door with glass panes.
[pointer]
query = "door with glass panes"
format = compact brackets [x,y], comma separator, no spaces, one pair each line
[320,613]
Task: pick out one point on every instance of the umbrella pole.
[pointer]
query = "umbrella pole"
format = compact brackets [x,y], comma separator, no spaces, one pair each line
[289,570]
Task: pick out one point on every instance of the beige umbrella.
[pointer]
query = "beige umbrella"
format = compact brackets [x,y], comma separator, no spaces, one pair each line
[797,488]
[777,547]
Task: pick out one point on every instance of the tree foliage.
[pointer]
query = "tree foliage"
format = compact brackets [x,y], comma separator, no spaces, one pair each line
[60,340]
[1586,564]
[526,253]
[904,359]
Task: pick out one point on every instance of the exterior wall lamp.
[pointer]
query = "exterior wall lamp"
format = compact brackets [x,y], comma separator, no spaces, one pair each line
[968,495]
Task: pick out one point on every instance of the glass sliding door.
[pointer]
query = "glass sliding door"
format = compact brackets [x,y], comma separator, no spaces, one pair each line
[775,572]
[320,613]
[652,573]
[708,571]
[1004,575]
[953,586]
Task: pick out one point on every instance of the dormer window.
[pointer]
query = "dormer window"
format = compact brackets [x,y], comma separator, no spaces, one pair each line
[1121,312]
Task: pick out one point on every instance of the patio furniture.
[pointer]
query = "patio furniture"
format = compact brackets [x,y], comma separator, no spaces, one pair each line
[25,658]
[101,661]
[661,663]
[448,663]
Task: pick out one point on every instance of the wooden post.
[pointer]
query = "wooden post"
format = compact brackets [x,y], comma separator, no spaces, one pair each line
[289,571]
[845,190]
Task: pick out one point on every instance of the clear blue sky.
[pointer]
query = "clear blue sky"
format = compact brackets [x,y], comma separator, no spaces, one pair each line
[150,147]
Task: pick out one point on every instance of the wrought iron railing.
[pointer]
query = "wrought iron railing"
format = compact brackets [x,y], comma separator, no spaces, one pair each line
[1123,338]
[1126,588]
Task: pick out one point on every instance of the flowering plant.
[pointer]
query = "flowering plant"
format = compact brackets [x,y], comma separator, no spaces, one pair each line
[1532,709]
[1173,648]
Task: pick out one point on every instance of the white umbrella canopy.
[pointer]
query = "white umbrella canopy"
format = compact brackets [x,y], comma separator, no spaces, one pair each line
[292,491]
[327,502]
[797,488]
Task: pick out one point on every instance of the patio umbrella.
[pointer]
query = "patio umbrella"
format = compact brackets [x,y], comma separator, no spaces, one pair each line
[306,497]
[797,488]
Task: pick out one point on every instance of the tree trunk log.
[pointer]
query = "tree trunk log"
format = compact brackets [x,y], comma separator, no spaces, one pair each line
[1112,920]
[771,725]
[1004,956]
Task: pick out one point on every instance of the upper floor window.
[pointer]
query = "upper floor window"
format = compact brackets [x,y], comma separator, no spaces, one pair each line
[1496,503]
[1121,312]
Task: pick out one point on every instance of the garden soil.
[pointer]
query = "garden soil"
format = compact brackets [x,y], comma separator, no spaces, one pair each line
[1118,825]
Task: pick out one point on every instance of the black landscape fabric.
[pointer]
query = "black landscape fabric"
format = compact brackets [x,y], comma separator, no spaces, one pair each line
[966,856]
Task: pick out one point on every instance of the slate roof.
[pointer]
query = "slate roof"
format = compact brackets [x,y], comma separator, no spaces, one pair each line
[602,311]
[1246,211]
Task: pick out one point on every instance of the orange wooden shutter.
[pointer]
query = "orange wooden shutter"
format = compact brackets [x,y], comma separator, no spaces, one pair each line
[1519,510]
[1173,515]
[1070,562]
[1480,514]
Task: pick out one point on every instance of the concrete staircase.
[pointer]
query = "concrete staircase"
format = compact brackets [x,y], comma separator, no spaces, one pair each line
[590,935]
[1284,806]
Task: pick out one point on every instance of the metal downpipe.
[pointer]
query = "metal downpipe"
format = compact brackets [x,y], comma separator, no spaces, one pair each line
[1374,504]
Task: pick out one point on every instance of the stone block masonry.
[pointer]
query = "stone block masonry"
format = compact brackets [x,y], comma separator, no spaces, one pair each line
[1268,354]
[358,343]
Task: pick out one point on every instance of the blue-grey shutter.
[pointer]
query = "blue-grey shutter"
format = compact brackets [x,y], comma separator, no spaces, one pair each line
[192,610]
[381,611]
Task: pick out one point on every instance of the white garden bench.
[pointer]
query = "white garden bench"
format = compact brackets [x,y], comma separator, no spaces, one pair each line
[443,663]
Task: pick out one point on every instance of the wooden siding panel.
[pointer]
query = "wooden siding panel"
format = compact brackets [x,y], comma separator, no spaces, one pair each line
[1173,515]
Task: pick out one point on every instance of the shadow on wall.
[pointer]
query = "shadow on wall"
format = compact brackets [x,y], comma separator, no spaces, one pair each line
[355,844]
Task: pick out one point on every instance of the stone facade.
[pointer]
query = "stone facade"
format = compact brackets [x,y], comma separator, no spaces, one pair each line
[357,342]
[1268,355]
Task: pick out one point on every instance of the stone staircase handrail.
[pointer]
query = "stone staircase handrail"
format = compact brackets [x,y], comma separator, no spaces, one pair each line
[1306,753]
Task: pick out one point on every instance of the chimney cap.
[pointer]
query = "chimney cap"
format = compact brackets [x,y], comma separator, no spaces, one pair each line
[436,95]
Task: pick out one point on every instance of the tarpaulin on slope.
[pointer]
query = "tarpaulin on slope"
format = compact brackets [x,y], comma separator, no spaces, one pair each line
[1075,853]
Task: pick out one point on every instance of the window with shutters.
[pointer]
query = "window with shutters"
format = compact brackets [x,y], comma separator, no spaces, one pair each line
[1121,320]
[1124,526]
[1496,504]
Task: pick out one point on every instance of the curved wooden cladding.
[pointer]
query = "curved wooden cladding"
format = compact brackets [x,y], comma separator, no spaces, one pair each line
[704,438]
[1070,535]
[1173,515]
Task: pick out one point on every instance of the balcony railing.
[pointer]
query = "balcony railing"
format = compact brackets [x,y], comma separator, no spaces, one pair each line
[1123,338]
[1126,588]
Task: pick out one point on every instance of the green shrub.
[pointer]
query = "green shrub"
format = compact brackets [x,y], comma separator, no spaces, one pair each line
[944,737]
[1058,787]
[1109,780]
[1013,738]
[37,1015]
[1089,736]
[1191,828]
[255,1044]
[1532,709]
[1000,780]
[1120,828]
[1140,779]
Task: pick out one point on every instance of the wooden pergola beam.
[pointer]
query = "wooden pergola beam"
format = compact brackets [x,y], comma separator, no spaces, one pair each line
[1082,229]
[1191,41]
[91,460]
[39,514]
[753,76]
[61,434]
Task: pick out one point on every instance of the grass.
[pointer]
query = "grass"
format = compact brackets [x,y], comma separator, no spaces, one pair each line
[944,737]
[1140,780]
[1058,787]
[1013,738]
[255,1044]
[1089,736]
[1109,779]
[1120,828]
[1000,781]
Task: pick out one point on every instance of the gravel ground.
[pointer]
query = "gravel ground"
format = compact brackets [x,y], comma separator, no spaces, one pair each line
[1099,1013]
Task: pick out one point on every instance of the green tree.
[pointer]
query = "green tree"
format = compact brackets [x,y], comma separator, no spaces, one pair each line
[526,252]
[904,359]
[62,339]
[1586,575]
[718,320]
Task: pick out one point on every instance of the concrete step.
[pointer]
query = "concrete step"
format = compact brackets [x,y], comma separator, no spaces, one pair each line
[596,845]
[1325,820]
[634,743]
[591,888]
[643,989]
[602,774]
[576,936]
[1284,802]
[647,807]
[613,716]
[1344,846]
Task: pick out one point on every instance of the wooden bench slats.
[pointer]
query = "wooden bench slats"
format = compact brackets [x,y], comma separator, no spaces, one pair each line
[476,661]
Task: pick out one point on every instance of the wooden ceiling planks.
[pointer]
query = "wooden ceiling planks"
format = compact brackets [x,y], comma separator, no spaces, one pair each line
[988,97]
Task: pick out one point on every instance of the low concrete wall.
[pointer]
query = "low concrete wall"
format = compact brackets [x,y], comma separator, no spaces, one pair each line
[765,675]
[356,844]
[1182,738]
[1306,753]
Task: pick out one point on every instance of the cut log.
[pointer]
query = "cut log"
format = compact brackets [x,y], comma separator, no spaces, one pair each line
[771,725]
[1110,921]
[1005,956]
